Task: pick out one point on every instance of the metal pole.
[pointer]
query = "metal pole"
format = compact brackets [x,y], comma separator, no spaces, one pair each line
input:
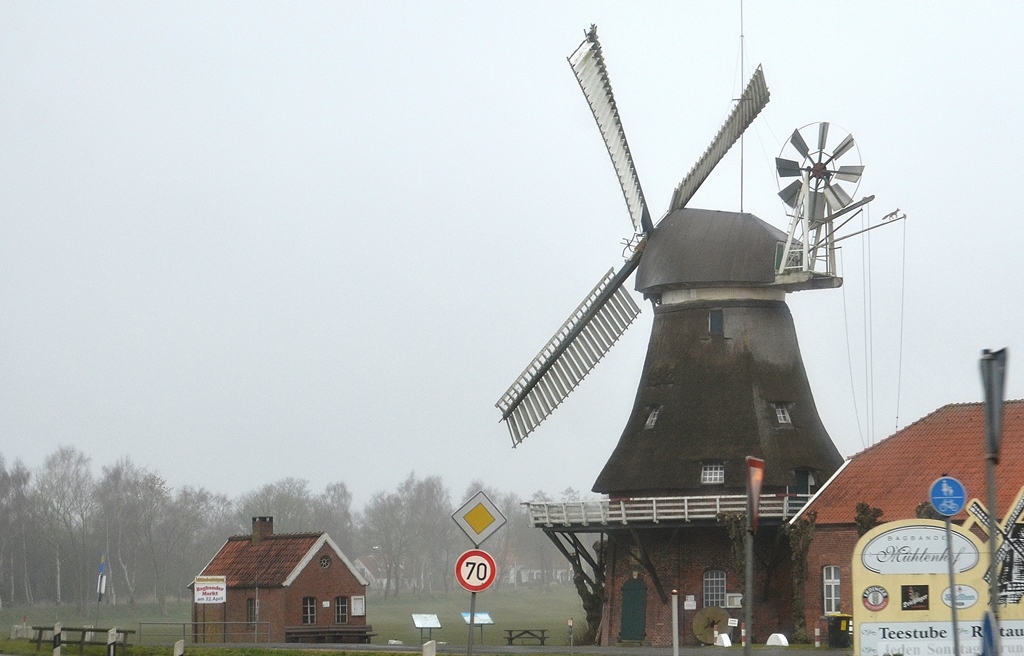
[993,566]
[952,586]
[748,587]
[472,618]
[675,623]
[993,375]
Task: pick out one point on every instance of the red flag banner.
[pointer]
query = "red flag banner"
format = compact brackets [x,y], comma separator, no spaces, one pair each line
[755,478]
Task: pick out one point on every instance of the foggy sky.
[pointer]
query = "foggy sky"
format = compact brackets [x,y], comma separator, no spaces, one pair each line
[240,242]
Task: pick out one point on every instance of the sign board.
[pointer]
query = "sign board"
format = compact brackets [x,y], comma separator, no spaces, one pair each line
[948,496]
[479,618]
[475,570]
[358,606]
[902,598]
[479,518]
[425,621]
[917,549]
[210,589]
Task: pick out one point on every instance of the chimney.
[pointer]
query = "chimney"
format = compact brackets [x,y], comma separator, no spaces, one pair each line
[262,527]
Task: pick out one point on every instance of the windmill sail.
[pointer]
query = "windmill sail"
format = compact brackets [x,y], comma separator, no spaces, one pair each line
[588,333]
[750,104]
[588,65]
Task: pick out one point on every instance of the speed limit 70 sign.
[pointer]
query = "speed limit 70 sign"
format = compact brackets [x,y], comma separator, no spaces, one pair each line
[475,570]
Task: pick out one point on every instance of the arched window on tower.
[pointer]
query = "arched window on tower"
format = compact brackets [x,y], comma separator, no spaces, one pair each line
[830,589]
[714,588]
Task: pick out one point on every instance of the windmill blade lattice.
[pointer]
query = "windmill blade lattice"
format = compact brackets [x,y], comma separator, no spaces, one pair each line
[754,98]
[822,167]
[581,342]
[588,66]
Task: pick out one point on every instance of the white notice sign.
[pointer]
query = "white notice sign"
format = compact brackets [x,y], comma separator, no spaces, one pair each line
[211,589]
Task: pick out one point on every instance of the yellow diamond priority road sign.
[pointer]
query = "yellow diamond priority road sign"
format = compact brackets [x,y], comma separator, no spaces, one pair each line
[479,518]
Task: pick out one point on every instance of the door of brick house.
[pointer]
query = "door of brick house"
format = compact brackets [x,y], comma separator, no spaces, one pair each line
[634,610]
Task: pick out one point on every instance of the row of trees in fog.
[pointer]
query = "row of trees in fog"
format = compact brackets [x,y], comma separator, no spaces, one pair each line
[58,521]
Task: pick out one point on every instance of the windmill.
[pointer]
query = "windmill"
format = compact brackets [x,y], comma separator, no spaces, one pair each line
[723,373]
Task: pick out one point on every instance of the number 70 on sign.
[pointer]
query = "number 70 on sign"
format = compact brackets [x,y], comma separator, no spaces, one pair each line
[475,570]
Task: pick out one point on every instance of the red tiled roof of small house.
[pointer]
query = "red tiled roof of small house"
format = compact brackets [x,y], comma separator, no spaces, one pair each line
[896,473]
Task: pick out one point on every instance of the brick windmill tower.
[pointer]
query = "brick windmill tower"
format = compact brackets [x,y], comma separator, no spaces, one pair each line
[723,379]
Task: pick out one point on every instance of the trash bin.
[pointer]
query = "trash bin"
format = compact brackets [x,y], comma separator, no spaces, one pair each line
[840,631]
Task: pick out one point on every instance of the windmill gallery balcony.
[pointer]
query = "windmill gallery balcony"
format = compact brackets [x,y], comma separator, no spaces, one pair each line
[653,511]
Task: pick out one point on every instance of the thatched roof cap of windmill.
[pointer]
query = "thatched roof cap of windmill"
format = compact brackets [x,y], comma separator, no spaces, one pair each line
[708,248]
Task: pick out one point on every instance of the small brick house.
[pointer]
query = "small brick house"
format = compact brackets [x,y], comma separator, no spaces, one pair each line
[895,475]
[292,587]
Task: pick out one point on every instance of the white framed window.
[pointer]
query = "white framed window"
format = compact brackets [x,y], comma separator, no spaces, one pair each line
[252,610]
[341,610]
[782,413]
[652,417]
[713,474]
[714,588]
[309,610]
[830,588]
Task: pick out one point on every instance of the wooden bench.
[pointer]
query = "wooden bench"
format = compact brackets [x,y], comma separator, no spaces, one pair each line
[99,636]
[540,635]
[351,633]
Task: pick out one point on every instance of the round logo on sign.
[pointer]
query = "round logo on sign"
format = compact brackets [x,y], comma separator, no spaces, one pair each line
[966,596]
[475,570]
[875,598]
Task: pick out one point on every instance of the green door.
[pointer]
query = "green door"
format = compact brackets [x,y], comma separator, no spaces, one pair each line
[634,610]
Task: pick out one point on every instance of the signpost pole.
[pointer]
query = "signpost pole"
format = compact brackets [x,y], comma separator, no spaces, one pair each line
[993,374]
[952,586]
[472,619]
[948,497]
[755,478]
[675,623]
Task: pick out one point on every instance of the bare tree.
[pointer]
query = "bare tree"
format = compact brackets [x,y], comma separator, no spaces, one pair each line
[386,532]
[120,497]
[204,520]
[64,489]
[288,501]
[332,512]
[433,530]
[20,479]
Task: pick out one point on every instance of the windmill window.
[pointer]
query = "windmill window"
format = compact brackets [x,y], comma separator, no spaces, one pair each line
[714,588]
[652,417]
[782,413]
[713,474]
[309,610]
[716,323]
[805,483]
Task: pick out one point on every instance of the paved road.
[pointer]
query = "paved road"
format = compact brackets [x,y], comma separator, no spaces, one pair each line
[564,649]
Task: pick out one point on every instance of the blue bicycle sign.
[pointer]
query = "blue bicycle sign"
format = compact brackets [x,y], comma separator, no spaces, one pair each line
[948,496]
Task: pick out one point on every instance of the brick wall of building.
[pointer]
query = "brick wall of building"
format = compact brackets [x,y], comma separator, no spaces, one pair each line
[323,585]
[681,557]
[832,545]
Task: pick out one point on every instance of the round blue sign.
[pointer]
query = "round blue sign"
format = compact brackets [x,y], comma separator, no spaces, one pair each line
[948,496]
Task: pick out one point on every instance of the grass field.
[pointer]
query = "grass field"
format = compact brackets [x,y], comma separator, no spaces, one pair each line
[391,619]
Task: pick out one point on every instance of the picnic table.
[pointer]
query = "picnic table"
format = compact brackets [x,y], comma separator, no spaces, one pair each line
[540,635]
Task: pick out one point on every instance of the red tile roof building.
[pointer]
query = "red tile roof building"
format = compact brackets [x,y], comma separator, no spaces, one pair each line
[291,587]
[895,476]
